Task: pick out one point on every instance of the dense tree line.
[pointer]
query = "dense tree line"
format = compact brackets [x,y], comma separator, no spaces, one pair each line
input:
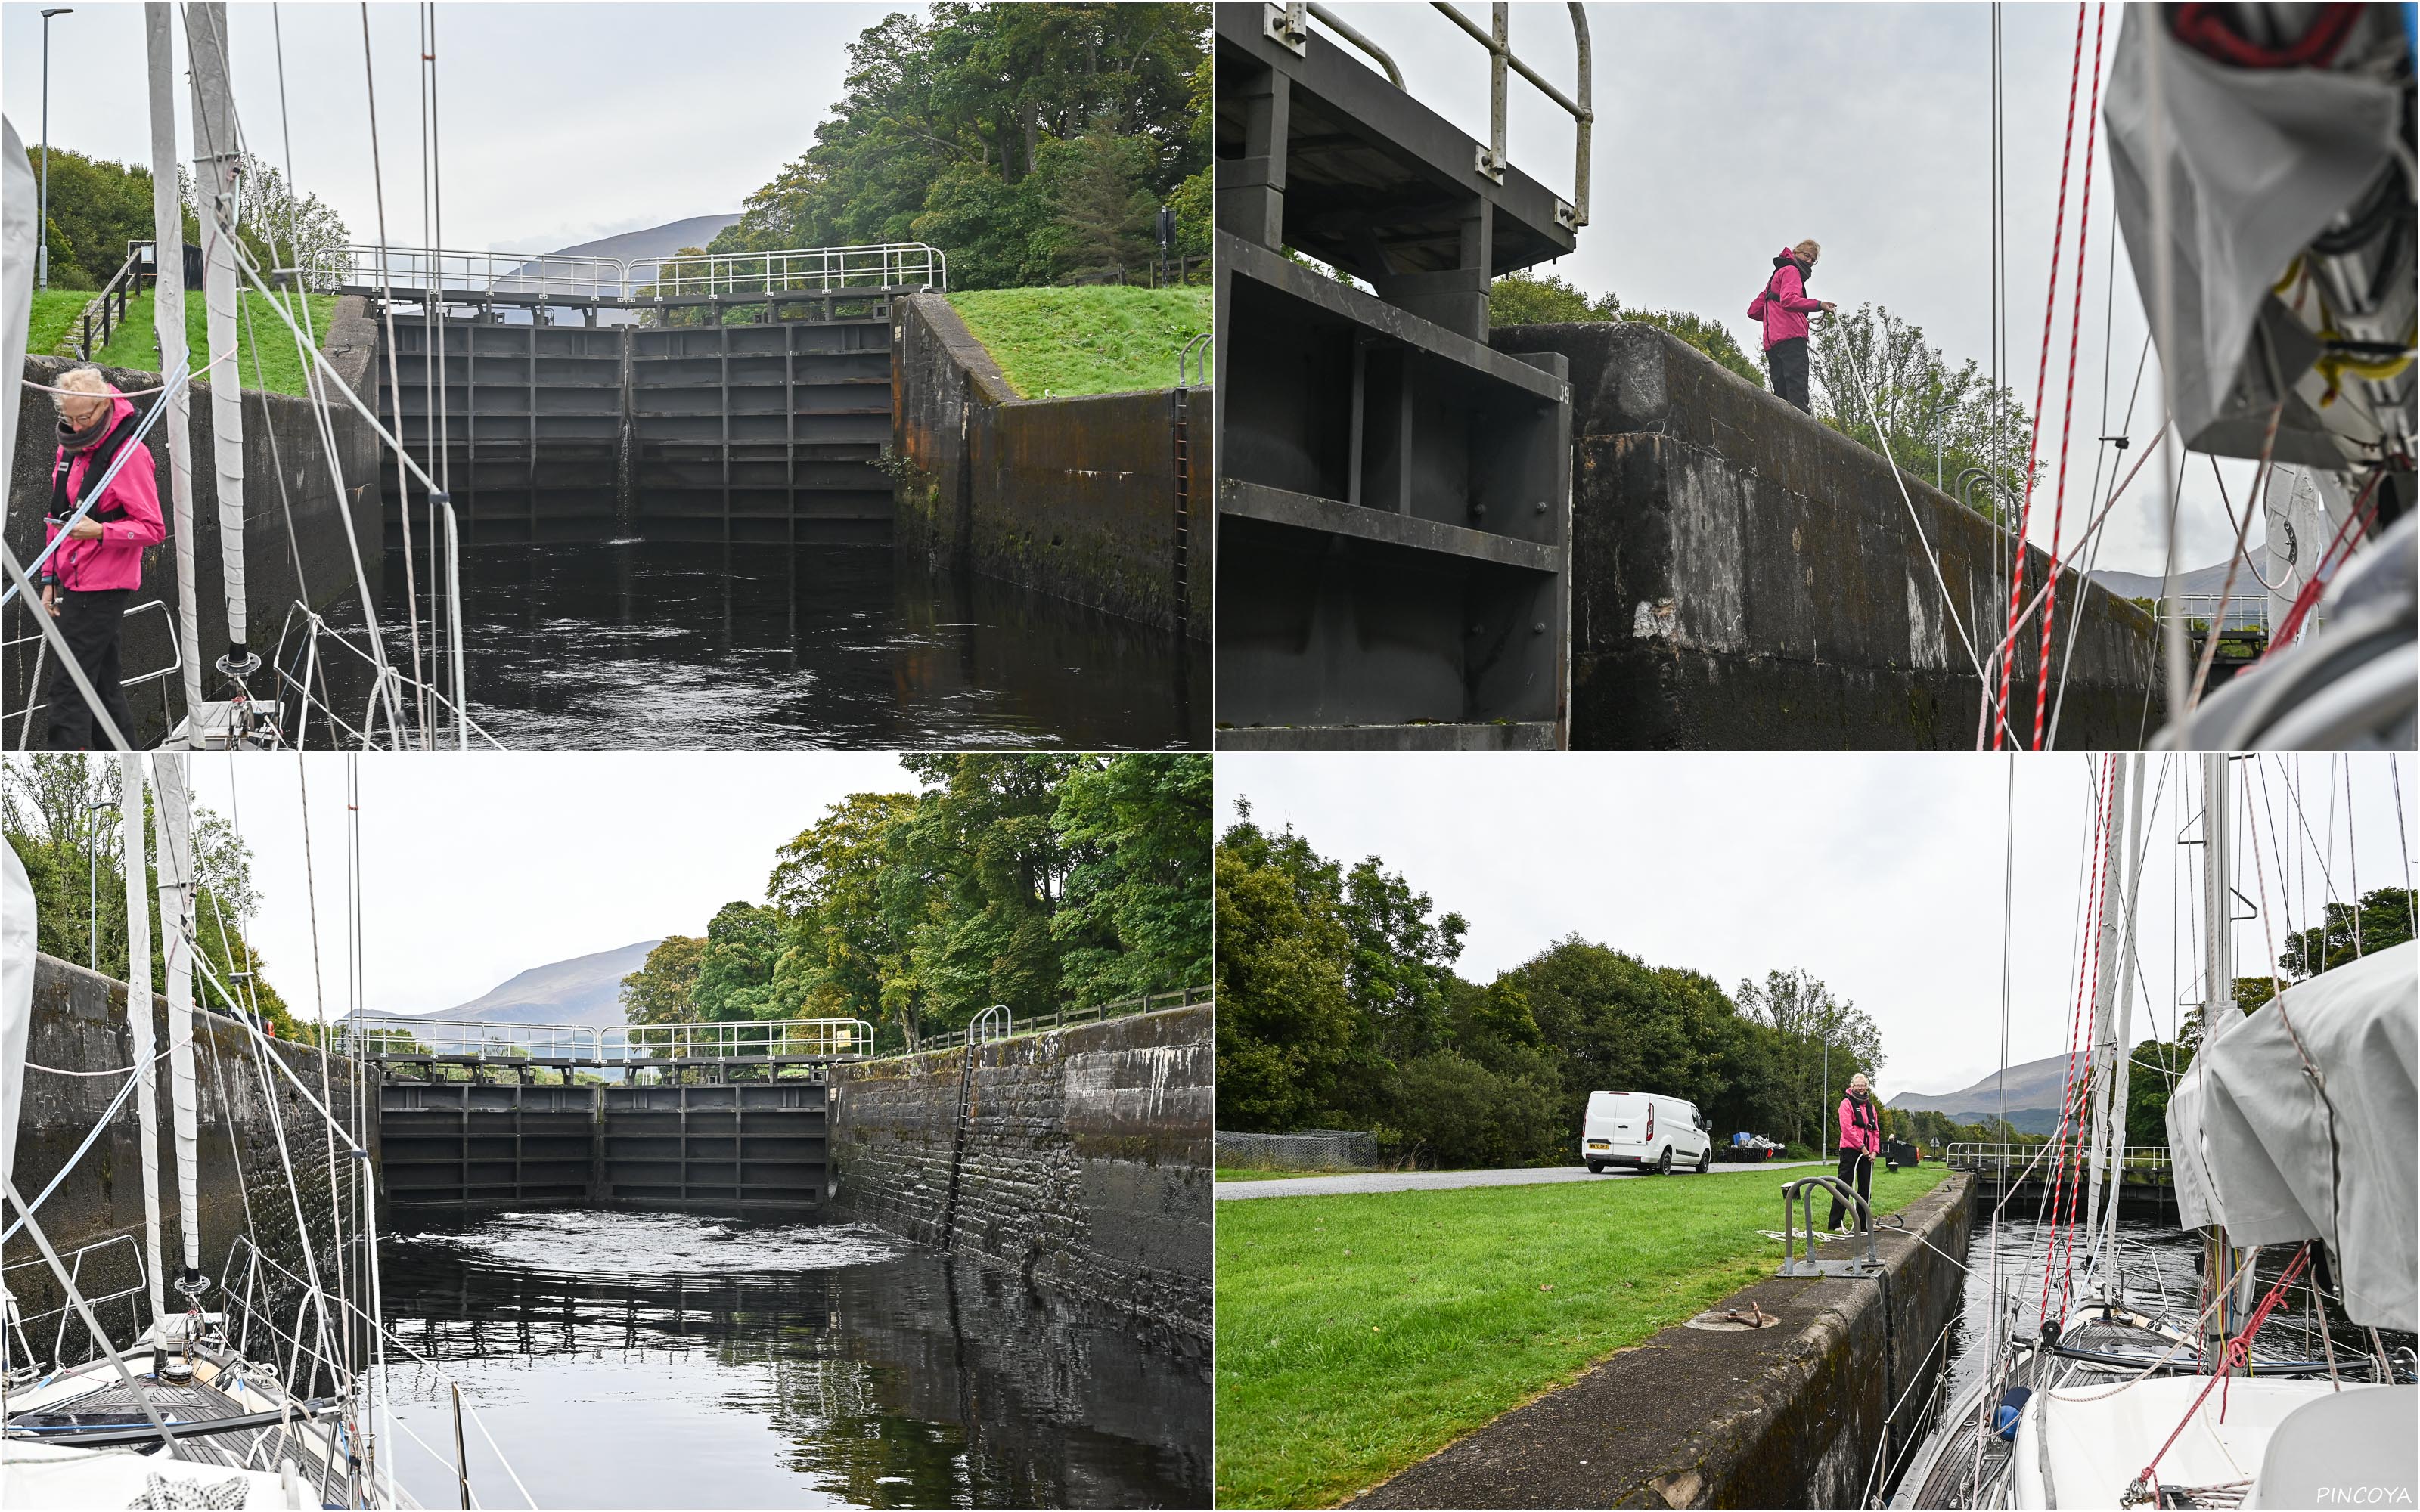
[98,206]
[59,812]
[1033,880]
[1338,1007]
[1034,144]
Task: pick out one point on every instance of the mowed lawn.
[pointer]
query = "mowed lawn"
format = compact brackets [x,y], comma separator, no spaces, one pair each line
[280,370]
[1357,1334]
[1060,342]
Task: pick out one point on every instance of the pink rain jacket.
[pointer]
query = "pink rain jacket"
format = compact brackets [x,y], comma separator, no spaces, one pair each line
[1782,304]
[115,560]
[1853,1136]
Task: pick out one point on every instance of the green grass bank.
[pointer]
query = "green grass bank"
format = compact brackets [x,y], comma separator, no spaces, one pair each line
[280,366]
[1357,1334]
[1060,342]
[54,315]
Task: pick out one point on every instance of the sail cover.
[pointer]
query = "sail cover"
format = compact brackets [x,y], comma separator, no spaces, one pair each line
[2259,160]
[2278,1155]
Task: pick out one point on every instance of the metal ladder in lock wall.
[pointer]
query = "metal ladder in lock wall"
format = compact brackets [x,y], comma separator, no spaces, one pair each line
[993,1022]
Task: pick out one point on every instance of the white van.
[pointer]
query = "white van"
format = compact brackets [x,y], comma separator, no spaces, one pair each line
[1645,1130]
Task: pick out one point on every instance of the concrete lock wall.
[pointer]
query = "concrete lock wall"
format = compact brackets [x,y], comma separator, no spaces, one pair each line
[1790,1414]
[79,1024]
[1079,499]
[313,565]
[1746,577]
[1084,1159]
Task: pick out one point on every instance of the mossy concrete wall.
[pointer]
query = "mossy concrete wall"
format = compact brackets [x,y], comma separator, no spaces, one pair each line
[1793,1414]
[79,1024]
[1074,498]
[311,564]
[1084,1161]
[1746,577]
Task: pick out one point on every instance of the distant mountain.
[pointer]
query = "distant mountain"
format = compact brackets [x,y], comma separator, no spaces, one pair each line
[2209,579]
[2033,1095]
[642,248]
[586,989]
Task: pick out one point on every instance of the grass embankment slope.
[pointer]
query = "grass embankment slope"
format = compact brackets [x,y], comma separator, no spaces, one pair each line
[280,369]
[1357,1334]
[1059,343]
[54,316]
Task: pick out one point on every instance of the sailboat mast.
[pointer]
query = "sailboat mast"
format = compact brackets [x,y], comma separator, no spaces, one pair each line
[168,324]
[2218,999]
[217,174]
[138,1023]
[2121,1062]
[173,838]
[2104,1049]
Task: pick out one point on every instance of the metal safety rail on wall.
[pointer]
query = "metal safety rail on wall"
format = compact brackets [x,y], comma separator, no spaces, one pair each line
[466,275]
[537,278]
[743,1040]
[811,269]
[404,1039]
[2135,1163]
[1063,1018]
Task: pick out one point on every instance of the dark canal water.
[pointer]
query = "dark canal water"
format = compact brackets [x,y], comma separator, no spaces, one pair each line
[632,1360]
[643,645]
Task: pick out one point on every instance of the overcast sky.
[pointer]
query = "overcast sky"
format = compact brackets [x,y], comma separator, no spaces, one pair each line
[560,123]
[1725,132]
[1881,875]
[478,867]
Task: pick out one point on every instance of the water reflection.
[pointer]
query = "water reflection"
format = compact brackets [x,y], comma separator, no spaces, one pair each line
[636,645]
[720,1364]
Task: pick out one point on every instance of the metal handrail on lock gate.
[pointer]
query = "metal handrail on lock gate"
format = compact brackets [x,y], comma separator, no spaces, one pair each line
[1805,1187]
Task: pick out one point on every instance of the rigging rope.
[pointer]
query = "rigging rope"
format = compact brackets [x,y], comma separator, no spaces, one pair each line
[2041,378]
[2074,340]
[2145,1489]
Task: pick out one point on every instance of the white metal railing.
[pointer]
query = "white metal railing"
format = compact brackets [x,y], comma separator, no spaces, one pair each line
[1978,1155]
[809,270]
[2244,612]
[19,1323]
[741,1040]
[416,269]
[471,275]
[463,1038]
[41,698]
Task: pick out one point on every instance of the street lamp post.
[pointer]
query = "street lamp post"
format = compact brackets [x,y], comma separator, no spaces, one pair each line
[43,257]
[92,880]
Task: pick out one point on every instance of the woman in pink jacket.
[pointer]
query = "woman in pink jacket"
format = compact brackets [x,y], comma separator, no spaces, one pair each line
[1861,1140]
[1783,306]
[87,581]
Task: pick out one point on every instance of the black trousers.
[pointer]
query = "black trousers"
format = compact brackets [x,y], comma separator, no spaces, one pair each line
[89,622]
[1786,361]
[1858,1169]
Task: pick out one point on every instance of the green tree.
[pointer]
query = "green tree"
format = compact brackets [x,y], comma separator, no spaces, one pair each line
[2386,921]
[60,816]
[840,942]
[1136,914]
[1940,422]
[1286,1031]
[950,121]
[2153,1076]
[984,870]
[735,971]
[1096,190]
[664,989]
[1814,1032]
